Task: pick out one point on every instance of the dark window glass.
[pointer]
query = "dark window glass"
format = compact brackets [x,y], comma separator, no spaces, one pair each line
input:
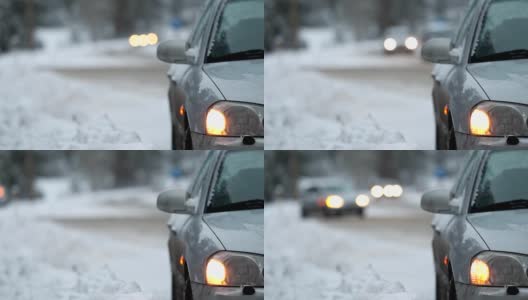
[239,179]
[503,28]
[503,180]
[239,29]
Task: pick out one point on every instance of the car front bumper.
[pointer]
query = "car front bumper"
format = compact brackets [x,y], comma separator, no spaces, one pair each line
[207,142]
[206,292]
[466,141]
[471,292]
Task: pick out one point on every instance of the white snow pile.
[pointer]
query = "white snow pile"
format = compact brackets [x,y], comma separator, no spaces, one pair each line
[305,109]
[37,111]
[42,261]
[304,260]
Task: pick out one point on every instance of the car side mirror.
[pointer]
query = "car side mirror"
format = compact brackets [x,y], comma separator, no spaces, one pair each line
[439,51]
[438,202]
[174,202]
[174,52]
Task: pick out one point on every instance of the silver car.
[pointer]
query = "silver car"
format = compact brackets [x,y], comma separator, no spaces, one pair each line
[216,92]
[480,243]
[480,82]
[216,243]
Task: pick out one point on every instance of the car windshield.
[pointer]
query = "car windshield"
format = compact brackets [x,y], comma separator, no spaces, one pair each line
[239,183]
[502,184]
[502,31]
[239,32]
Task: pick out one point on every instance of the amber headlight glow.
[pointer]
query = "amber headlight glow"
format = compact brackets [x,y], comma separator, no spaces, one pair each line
[480,122]
[499,119]
[499,269]
[334,201]
[235,119]
[235,269]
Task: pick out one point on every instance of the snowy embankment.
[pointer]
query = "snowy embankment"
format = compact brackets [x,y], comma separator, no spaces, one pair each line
[107,245]
[43,110]
[308,260]
[42,261]
[305,109]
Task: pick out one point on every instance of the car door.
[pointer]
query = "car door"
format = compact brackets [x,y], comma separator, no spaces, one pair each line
[182,80]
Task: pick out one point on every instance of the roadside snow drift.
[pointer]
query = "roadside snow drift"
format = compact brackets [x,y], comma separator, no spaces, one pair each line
[42,261]
[305,260]
[121,106]
[346,96]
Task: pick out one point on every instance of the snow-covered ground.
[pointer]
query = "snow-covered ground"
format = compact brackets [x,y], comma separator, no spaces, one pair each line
[109,245]
[346,97]
[102,95]
[385,256]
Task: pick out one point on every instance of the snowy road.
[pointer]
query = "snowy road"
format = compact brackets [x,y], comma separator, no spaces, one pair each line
[108,245]
[347,96]
[146,112]
[385,256]
[101,96]
[148,262]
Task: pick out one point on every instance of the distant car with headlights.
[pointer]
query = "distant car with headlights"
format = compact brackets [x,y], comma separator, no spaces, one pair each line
[216,240]
[479,82]
[480,229]
[386,191]
[216,92]
[333,199]
[398,39]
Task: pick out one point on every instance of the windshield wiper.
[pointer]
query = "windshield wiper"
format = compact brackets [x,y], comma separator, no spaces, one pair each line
[243,55]
[243,205]
[508,205]
[507,55]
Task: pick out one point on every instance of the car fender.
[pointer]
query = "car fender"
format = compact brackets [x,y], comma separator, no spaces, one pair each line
[200,94]
[200,243]
[464,93]
[464,243]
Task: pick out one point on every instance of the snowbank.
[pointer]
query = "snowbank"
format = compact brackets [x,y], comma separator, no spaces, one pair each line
[305,260]
[305,109]
[39,260]
[42,110]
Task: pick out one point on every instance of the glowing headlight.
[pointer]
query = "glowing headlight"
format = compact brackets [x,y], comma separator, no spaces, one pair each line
[411,43]
[216,123]
[362,201]
[499,269]
[491,118]
[397,191]
[376,191]
[480,122]
[235,119]
[2,192]
[388,191]
[334,202]
[390,44]
[216,273]
[235,269]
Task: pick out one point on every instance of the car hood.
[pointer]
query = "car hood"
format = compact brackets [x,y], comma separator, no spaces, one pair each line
[241,231]
[239,80]
[503,80]
[503,230]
